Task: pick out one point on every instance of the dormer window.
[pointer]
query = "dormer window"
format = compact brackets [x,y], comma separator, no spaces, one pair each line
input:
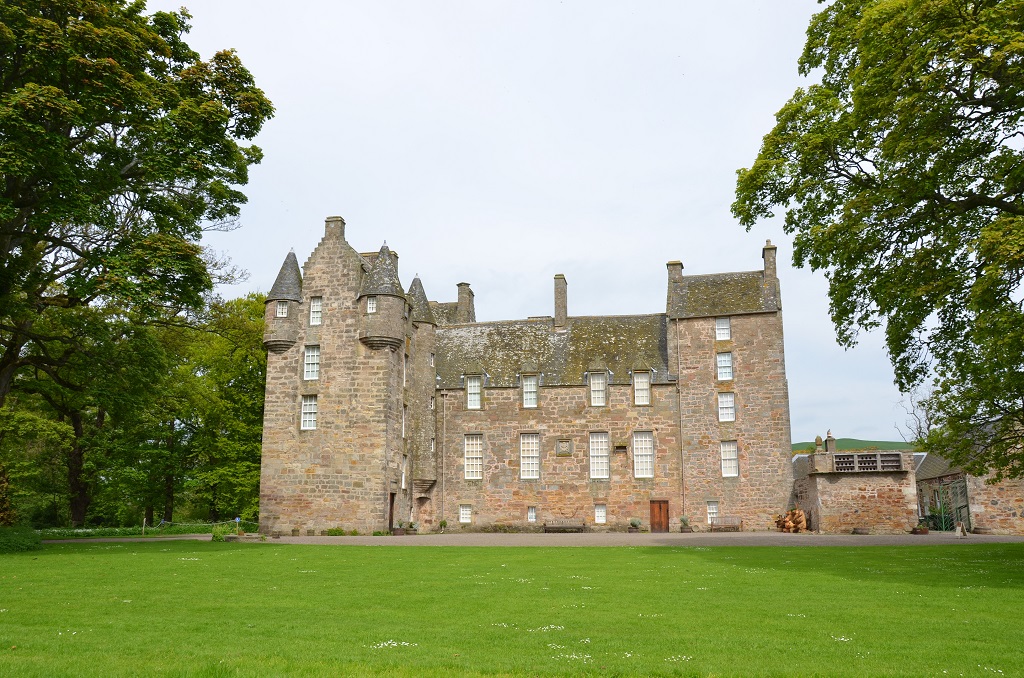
[371,304]
[473,384]
[282,309]
[598,389]
[642,388]
[530,390]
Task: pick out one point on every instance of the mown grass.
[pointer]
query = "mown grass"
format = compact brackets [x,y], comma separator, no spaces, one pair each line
[199,608]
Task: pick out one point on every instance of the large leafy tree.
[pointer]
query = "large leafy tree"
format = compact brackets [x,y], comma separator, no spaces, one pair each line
[118,147]
[902,177]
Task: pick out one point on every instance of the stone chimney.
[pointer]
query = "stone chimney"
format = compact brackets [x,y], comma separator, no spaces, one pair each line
[561,300]
[768,254]
[675,271]
[465,310]
[830,443]
[334,227]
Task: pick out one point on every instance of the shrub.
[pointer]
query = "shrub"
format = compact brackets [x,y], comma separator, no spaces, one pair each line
[19,539]
[335,532]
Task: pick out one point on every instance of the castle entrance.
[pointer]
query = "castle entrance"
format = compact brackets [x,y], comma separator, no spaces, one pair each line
[659,515]
[391,511]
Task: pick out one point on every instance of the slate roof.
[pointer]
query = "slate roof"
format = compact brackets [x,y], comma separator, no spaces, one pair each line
[421,312]
[383,276]
[502,350]
[934,466]
[288,286]
[699,296]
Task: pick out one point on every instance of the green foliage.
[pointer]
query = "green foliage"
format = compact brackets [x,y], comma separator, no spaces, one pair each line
[18,539]
[511,611]
[119,147]
[902,177]
[8,516]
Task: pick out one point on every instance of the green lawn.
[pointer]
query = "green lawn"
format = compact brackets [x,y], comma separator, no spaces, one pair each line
[200,608]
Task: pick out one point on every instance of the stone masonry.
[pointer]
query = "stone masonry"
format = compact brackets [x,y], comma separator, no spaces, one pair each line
[383,406]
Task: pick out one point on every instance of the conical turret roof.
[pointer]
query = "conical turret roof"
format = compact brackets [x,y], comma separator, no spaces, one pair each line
[288,285]
[421,312]
[383,276]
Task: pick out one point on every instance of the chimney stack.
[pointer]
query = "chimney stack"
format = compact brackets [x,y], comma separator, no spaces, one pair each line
[768,254]
[561,300]
[465,311]
[334,227]
[675,271]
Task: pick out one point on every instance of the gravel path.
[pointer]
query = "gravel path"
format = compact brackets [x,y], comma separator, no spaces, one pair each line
[613,539]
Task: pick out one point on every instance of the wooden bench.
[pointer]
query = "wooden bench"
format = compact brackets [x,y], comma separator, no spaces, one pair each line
[726,524]
[565,526]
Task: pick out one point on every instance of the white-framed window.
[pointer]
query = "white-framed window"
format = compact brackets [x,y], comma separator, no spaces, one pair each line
[433,402]
[405,371]
[316,310]
[730,459]
[723,329]
[641,388]
[600,513]
[598,455]
[712,510]
[405,465]
[465,513]
[643,454]
[474,456]
[311,363]
[308,421]
[529,390]
[724,361]
[371,304]
[432,444]
[405,416]
[473,392]
[282,309]
[598,389]
[529,456]
[431,359]
[531,514]
[726,407]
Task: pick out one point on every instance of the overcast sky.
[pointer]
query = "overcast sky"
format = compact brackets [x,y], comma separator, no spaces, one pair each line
[500,143]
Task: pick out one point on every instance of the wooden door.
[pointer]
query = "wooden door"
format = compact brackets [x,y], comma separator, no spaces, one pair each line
[659,515]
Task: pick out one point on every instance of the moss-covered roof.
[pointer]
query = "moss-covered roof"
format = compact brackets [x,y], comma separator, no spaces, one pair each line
[383,276]
[697,296]
[421,312]
[503,350]
[288,285]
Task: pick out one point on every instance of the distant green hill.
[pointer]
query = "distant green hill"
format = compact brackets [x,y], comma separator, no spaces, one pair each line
[854,444]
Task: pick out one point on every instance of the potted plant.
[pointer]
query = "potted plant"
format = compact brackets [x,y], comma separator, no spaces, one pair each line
[399,531]
[443,524]
[412,528]
[922,528]
[634,525]
[684,524]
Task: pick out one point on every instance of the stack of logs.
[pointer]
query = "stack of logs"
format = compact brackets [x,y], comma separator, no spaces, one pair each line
[793,521]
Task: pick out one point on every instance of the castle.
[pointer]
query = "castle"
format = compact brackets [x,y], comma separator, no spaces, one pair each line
[384,407]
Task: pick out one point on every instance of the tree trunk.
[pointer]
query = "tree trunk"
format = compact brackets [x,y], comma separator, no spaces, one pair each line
[168,497]
[78,487]
[149,515]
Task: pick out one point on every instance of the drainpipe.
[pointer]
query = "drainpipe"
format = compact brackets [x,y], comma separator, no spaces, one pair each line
[679,409]
[444,438]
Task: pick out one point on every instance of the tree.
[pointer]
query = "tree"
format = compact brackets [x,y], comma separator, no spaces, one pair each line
[902,177]
[118,147]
